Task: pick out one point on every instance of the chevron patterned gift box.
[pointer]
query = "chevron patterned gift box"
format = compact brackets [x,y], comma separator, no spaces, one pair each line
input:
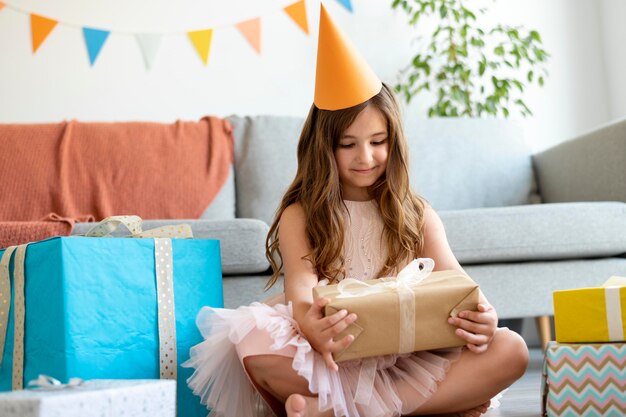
[584,380]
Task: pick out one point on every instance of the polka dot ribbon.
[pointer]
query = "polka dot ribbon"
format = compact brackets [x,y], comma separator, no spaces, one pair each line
[165,307]
[165,291]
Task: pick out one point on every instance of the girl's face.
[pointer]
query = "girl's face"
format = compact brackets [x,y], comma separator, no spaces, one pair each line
[361,155]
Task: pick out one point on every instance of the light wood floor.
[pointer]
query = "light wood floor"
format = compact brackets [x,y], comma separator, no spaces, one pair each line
[523,399]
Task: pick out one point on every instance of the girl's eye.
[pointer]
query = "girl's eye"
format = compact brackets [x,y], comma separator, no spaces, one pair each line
[379,142]
[346,145]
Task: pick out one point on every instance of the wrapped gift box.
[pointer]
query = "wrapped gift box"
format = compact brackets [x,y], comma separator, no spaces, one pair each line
[91,309]
[97,398]
[584,380]
[591,314]
[379,328]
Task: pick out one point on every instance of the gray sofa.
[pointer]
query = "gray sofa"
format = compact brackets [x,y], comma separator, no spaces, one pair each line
[522,225]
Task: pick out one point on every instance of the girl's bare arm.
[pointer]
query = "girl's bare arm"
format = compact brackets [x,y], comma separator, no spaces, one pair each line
[476,327]
[300,278]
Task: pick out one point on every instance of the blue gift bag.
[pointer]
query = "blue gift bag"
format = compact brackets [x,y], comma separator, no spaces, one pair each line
[91,309]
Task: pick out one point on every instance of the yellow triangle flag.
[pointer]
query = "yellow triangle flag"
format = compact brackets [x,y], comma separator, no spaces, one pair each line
[251,30]
[40,28]
[201,40]
[297,12]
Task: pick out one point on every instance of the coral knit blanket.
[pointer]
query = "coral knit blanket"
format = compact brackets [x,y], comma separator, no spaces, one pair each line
[78,170]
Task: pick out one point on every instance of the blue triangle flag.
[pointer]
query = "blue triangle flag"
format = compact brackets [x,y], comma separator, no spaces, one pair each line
[94,39]
[347,4]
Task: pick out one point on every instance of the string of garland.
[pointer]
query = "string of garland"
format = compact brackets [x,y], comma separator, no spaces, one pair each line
[95,38]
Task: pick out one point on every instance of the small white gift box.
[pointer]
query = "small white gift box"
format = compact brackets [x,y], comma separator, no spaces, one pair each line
[95,398]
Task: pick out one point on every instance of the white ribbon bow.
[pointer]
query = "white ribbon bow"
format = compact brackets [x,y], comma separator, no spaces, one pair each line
[46,382]
[411,275]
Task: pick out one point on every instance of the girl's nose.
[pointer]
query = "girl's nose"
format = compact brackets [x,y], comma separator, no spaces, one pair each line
[365,154]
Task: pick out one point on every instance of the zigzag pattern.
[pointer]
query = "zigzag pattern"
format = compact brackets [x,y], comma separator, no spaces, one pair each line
[576,353]
[586,379]
[587,374]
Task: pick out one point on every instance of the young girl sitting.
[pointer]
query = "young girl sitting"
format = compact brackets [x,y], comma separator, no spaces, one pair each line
[349,212]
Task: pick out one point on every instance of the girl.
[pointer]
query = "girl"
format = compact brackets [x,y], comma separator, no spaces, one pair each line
[350,212]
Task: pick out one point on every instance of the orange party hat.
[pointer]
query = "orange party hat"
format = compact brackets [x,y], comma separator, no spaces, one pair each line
[343,78]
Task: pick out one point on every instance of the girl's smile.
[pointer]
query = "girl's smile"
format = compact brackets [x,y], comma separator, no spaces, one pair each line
[361,154]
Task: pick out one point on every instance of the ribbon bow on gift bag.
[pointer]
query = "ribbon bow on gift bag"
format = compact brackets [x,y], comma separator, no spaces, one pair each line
[133,224]
[45,382]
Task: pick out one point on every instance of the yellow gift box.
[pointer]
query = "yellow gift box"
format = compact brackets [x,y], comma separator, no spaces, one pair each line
[404,314]
[591,314]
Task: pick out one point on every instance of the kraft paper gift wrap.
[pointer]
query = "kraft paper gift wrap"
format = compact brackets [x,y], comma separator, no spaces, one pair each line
[404,314]
[96,398]
[584,380]
[591,314]
[91,309]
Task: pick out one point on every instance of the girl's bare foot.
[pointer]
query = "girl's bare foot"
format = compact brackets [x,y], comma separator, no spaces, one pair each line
[476,411]
[300,406]
[296,405]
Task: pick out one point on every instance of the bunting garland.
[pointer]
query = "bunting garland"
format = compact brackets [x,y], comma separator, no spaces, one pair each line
[201,40]
[40,28]
[95,38]
[149,44]
[297,12]
[251,30]
[347,4]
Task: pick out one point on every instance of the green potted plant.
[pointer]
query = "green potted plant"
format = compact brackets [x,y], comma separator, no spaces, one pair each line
[472,69]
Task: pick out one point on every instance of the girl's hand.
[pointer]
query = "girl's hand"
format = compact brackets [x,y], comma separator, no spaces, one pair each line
[320,330]
[476,327]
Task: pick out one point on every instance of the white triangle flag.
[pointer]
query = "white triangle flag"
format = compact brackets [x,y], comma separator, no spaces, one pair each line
[149,44]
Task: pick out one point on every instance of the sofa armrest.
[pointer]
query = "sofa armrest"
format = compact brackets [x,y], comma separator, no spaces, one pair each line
[591,167]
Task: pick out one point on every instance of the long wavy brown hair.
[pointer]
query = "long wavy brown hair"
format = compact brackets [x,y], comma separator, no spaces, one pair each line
[317,189]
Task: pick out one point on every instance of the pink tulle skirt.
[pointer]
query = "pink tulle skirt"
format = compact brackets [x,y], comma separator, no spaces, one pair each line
[381,386]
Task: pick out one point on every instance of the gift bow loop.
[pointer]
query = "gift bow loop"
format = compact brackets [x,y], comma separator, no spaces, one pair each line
[133,224]
[411,275]
[46,382]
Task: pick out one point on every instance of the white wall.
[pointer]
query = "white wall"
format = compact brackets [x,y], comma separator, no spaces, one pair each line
[613,31]
[574,99]
[58,83]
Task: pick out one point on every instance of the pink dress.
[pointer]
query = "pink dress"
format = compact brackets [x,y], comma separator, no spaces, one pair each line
[400,384]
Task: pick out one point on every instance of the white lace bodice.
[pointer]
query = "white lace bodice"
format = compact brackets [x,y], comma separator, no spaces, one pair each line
[365,250]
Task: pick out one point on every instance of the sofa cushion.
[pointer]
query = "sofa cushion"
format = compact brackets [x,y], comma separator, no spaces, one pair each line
[223,205]
[265,162]
[470,163]
[523,289]
[457,163]
[537,232]
[242,241]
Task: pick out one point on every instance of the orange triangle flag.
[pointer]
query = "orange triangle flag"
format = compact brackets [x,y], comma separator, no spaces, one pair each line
[40,28]
[1,5]
[201,40]
[297,12]
[343,78]
[251,29]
